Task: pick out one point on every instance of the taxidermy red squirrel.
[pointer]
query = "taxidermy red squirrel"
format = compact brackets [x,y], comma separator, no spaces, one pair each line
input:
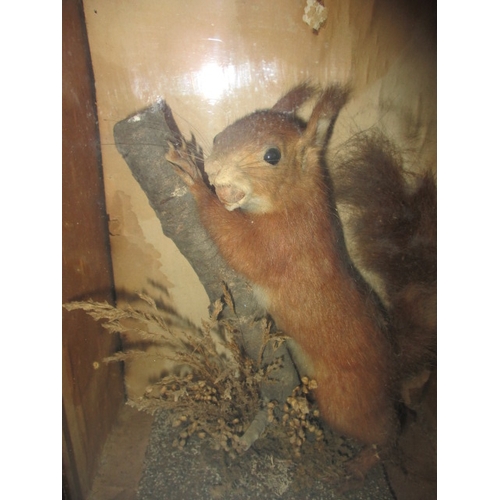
[273,220]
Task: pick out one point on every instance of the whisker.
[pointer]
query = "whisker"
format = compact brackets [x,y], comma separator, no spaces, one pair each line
[202,140]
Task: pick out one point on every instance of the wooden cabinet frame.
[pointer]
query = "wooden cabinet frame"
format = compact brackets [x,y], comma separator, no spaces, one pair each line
[92,392]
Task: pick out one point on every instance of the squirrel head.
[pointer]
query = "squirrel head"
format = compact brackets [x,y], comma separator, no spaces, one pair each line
[257,162]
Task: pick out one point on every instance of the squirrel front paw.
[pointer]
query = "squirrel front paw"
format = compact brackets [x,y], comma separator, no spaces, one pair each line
[183,162]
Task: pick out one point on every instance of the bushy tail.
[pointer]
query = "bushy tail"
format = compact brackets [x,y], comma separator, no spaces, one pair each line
[392,222]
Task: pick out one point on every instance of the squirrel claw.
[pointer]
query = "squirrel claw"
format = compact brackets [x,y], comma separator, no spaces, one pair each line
[183,163]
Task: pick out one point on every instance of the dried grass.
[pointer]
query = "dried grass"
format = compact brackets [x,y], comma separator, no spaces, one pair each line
[218,395]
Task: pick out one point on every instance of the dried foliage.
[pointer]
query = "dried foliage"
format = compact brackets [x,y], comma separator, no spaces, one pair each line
[301,421]
[218,396]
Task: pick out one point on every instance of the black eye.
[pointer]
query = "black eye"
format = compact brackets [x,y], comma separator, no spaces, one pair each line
[272,156]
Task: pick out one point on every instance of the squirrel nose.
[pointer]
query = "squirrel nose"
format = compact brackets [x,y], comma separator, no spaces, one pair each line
[229,194]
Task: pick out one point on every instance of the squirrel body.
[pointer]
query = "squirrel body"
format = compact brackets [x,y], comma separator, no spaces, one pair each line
[273,221]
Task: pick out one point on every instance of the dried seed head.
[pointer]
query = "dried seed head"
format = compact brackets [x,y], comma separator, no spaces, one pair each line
[304,407]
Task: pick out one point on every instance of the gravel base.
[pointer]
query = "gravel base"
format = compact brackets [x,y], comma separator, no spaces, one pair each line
[266,471]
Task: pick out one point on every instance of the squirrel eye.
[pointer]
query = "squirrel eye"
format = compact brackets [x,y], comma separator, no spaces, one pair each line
[272,156]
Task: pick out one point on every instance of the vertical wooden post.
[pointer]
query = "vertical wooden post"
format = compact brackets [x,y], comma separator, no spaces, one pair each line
[92,392]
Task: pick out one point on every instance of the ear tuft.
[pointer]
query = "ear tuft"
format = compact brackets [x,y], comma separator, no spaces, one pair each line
[295,98]
[325,113]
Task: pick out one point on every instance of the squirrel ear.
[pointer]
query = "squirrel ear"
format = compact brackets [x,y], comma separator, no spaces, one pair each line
[295,98]
[324,114]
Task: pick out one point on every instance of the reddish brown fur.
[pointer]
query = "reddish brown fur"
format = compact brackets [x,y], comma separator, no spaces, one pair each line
[292,255]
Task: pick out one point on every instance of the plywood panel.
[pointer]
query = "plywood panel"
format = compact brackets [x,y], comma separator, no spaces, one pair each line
[91,397]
